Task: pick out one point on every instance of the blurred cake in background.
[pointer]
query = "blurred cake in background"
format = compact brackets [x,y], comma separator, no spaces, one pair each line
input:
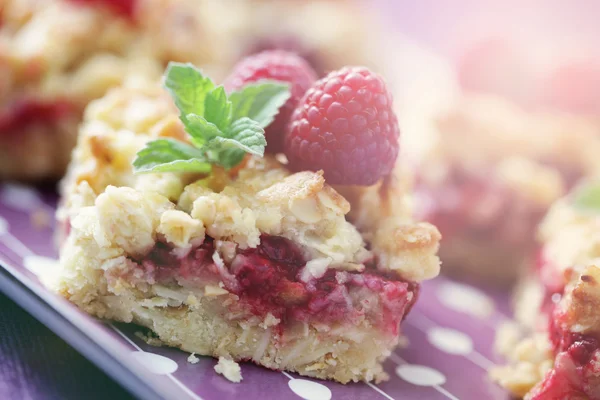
[489,163]
[560,78]
[553,348]
[488,176]
[56,56]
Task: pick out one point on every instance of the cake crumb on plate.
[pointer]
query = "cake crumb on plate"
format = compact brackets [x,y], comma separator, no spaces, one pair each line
[40,219]
[192,359]
[229,369]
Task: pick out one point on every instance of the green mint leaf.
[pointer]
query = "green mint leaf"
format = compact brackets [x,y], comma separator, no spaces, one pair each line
[200,130]
[217,109]
[243,136]
[587,197]
[221,129]
[188,87]
[259,101]
[229,157]
[170,155]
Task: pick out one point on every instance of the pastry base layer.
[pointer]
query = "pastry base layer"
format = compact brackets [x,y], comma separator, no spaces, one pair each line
[201,324]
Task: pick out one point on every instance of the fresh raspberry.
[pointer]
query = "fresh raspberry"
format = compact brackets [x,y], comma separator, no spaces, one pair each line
[125,8]
[293,44]
[280,66]
[345,125]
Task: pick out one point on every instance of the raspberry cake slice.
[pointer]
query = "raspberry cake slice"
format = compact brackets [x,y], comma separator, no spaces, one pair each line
[246,260]
[489,172]
[554,348]
[57,55]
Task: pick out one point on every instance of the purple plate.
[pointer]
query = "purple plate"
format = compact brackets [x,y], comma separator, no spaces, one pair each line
[450,332]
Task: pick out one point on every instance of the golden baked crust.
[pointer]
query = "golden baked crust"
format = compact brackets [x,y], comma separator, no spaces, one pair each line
[117,226]
[200,322]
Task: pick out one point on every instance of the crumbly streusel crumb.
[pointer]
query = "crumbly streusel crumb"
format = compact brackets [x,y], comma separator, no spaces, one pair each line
[571,237]
[530,358]
[192,359]
[229,369]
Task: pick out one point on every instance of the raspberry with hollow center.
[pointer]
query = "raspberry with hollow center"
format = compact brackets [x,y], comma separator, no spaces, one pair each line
[280,66]
[346,126]
[292,44]
[125,8]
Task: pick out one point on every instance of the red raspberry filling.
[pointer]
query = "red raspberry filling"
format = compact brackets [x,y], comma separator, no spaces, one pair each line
[26,112]
[124,8]
[552,281]
[576,371]
[267,280]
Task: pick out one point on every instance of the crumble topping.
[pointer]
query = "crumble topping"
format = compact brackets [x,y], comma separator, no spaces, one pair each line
[235,207]
[571,237]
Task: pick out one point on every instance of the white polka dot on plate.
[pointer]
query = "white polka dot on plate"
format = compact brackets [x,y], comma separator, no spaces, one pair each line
[450,341]
[466,299]
[420,375]
[20,197]
[41,266]
[3,226]
[155,363]
[309,390]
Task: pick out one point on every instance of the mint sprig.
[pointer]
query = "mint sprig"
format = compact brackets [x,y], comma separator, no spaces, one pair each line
[587,197]
[221,128]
